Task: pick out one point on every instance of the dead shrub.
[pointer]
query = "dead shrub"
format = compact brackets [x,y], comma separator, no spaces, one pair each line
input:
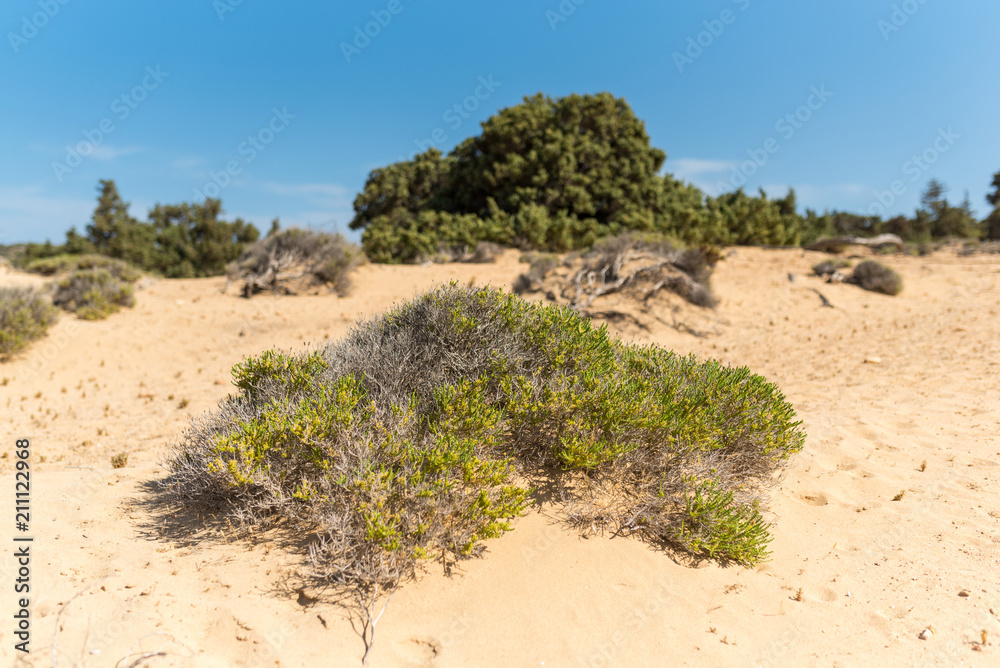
[635,266]
[295,260]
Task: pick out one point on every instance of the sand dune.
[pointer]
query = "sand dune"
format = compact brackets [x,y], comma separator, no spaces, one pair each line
[899,396]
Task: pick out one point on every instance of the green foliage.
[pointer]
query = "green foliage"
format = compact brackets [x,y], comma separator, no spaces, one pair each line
[558,175]
[25,316]
[65,263]
[877,277]
[180,241]
[413,437]
[993,197]
[992,224]
[546,174]
[93,294]
[192,242]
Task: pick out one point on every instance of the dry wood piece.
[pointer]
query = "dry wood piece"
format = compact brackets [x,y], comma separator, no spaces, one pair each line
[838,244]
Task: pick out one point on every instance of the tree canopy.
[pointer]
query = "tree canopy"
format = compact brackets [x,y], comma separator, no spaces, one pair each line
[187,240]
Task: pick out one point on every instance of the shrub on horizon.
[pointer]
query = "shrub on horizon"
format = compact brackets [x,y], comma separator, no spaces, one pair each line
[62,264]
[93,294]
[290,259]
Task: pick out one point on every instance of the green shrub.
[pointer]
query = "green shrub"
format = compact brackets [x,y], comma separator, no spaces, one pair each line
[62,264]
[414,437]
[25,316]
[877,277]
[93,294]
[292,259]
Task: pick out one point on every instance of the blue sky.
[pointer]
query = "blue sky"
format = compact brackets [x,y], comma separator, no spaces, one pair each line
[282,109]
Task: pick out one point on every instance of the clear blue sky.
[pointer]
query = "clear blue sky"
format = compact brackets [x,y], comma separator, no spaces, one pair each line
[163,95]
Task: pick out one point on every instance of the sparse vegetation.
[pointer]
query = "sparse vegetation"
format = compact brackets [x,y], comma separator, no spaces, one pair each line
[829,267]
[185,240]
[423,432]
[62,264]
[292,260]
[93,294]
[638,266]
[25,316]
[119,461]
[877,277]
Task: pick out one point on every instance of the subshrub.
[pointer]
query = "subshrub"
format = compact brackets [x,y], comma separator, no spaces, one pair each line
[485,252]
[829,267]
[25,316]
[93,294]
[62,264]
[295,259]
[418,434]
[877,277]
[539,266]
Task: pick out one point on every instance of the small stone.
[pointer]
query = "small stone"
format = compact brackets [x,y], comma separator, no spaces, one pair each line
[964,593]
[873,360]
[925,634]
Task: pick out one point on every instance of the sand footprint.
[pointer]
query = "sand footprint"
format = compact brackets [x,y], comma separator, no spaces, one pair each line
[813,499]
[419,651]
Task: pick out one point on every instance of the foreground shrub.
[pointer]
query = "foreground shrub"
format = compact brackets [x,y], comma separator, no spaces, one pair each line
[62,264]
[93,294]
[25,316]
[295,259]
[877,277]
[417,436]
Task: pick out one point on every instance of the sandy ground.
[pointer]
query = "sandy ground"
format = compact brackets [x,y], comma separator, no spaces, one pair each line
[855,575]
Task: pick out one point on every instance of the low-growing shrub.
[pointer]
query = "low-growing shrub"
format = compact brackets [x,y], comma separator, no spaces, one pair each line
[25,316]
[62,264]
[296,259]
[485,252]
[420,434]
[93,294]
[539,266]
[877,277]
[830,267]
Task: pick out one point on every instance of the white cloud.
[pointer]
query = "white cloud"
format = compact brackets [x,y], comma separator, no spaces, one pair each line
[308,190]
[685,168]
[840,196]
[186,163]
[106,153]
[27,213]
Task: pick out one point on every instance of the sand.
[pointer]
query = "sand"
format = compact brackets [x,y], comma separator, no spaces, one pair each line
[899,396]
